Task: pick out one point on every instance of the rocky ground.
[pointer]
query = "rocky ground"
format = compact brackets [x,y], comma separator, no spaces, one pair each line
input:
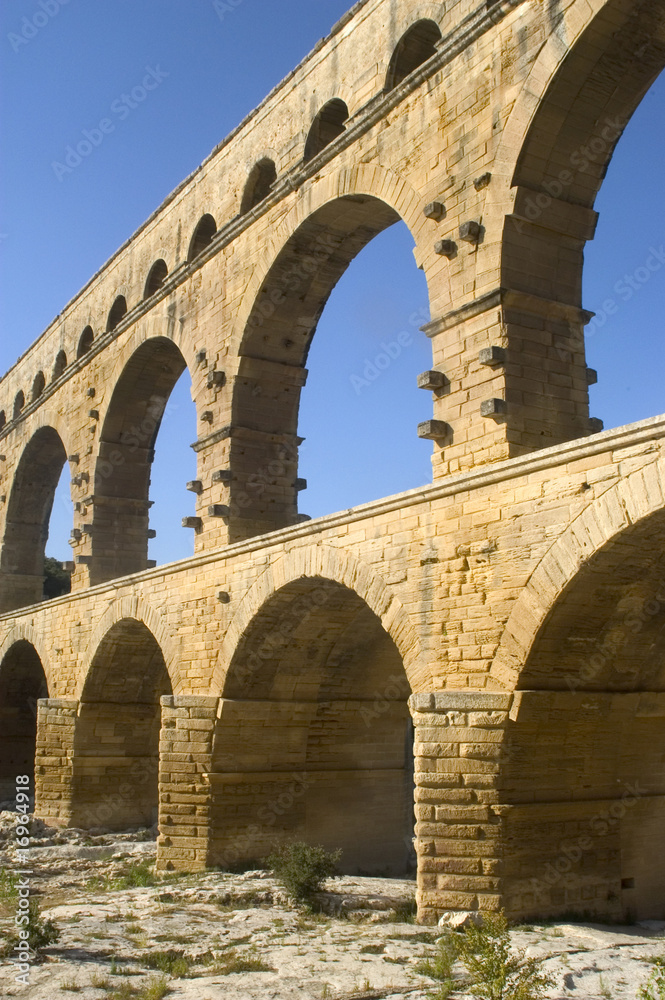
[126,933]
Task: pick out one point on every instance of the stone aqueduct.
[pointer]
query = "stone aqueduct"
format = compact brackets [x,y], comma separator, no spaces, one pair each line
[508,619]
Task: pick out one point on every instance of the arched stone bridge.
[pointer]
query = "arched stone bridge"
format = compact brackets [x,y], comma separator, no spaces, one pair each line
[508,618]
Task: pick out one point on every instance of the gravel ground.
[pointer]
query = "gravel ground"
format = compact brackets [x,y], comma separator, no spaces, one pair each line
[237,937]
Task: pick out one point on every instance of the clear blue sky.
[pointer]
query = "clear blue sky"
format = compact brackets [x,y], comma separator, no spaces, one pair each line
[56,233]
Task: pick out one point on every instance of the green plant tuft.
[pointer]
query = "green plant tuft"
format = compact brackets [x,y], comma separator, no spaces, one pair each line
[173,962]
[302,868]
[441,966]
[654,988]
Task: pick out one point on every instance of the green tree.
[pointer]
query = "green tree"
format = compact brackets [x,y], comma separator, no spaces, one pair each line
[57,581]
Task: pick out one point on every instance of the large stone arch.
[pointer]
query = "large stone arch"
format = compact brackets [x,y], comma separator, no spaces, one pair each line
[23,682]
[584,647]
[27,515]
[314,719]
[572,110]
[24,631]
[629,503]
[364,179]
[142,383]
[340,567]
[137,609]
[326,229]
[115,774]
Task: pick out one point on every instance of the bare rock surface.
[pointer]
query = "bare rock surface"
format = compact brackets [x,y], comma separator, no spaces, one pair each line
[221,936]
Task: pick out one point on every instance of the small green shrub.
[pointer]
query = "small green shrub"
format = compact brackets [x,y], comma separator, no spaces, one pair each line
[496,972]
[654,988]
[41,933]
[302,868]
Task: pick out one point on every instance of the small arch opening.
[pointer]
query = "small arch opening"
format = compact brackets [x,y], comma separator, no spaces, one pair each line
[259,184]
[414,48]
[118,310]
[85,341]
[328,124]
[203,235]
[138,462]
[19,403]
[38,386]
[22,684]
[156,278]
[116,744]
[3,419]
[42,467]
[59,365]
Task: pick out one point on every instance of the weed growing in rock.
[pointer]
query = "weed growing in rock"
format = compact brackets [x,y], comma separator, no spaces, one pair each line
[122,970]
[441,966]
[405,913]
[302,869]
[100,981]
[496,972]
[155,989]
[173,962]
[654,988]
[8,889]
[70,985]
[135,876]
[604,989]
[249,961]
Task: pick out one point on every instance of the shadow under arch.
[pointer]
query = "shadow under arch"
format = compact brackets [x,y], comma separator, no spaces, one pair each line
[135,609]
[259,184]
[27,520]
[314,738]
[328,124]
[415,47]
[116,740]
[273,352]
[586,739]
[344,569]
[622,519]
[22,683]
[126,451]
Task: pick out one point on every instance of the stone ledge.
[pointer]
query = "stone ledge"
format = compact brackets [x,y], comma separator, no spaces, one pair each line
[189,701]
[445,701]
